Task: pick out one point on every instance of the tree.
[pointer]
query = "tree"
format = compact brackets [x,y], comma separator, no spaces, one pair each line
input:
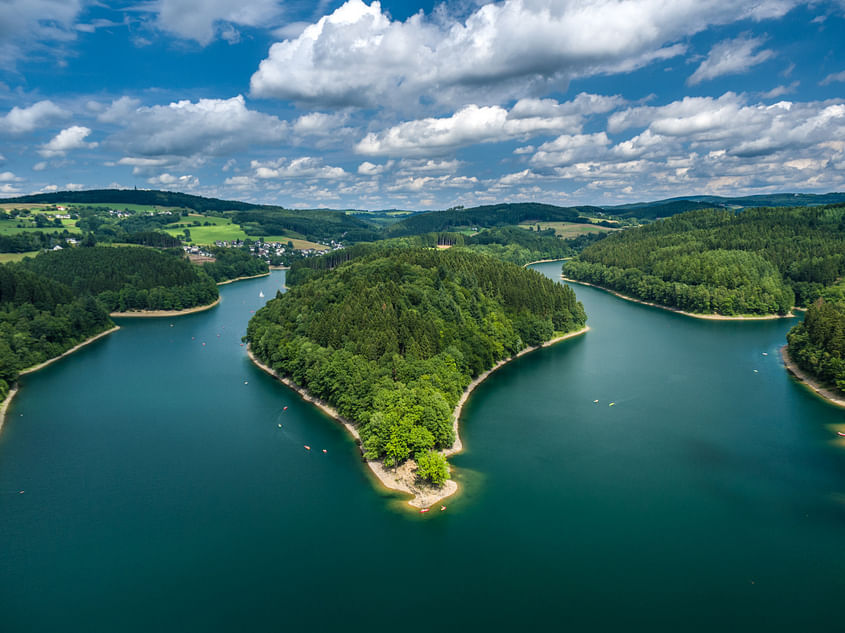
[432,466]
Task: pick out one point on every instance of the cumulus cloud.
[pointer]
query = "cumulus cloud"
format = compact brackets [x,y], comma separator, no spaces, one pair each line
[20,120]
[731,57]
[483,124]
[359,56]
[369,169]
[567,149]
[208,127]
[119,110]
[67,140]
[8,176]
[303,167]
[169,181]
[779,91]
[204,20]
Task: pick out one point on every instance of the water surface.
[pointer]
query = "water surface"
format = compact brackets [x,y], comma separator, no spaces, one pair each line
[161,493]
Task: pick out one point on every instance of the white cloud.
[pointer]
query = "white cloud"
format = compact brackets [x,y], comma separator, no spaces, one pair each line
[840,76]
[731,57]
[119,110]
[567,149]
[204,20]
[73,186]
[484,124]
[369,169]
[208,127]
[34,25]
[40,166]
[779,91]
[9,189]
[170,181]
[359,56]
[67,140]
[20,120]
[303,167]
[8,176]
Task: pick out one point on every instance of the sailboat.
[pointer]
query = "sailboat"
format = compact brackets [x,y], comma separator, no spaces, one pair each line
[261,293]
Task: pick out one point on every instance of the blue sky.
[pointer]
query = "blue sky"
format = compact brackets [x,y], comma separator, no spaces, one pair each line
[423,105]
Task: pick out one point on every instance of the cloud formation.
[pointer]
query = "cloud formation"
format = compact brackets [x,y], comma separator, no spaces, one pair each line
[731,57]
[21,120]
[34,25]
[358,56]
[205,20]
[67,140]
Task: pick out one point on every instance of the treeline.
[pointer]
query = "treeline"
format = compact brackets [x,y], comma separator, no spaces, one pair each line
[758,261]
[486,217]
[129,278]
[40,319]
[313,224]
[231,263]
[817,345]
[391,338]
[134,196]
[25,242]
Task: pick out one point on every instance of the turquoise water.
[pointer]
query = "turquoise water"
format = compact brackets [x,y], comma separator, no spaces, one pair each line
[161,494]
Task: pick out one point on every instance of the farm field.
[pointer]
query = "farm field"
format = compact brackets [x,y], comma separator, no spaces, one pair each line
[5,258]
[568,229]
[10,227]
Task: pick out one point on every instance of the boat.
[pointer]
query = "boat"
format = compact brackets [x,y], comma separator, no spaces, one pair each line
[840,434]
[611,404]
[325,451]
[307,448]
[424,510]
[261,293]
[285,409]
[442,508]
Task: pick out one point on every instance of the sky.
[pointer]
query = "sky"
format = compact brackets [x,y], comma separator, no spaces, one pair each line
[423,105]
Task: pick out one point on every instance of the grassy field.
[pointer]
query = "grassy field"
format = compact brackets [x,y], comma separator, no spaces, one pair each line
[223,229]
[568,229]
[10,227]
[297,243]
[15,257]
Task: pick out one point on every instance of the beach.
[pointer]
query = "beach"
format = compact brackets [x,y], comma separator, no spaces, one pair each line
[167,313]
[828,394]
[403,478]
[231,281]
[695,315]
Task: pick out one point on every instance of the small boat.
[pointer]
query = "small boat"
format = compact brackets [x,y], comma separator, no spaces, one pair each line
[595,400]
[840,434]
[325,451]
[261,293]
[307,448]
[442,508]
[611,404]
[424,510]
[245,382]
[280,426]
[285,409]
[765,353]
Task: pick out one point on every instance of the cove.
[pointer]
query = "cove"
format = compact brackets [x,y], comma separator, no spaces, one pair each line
[161,494]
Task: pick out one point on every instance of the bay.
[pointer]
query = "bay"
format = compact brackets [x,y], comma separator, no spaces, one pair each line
[161,494]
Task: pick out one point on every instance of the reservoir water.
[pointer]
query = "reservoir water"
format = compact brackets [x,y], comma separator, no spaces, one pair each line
[161,494]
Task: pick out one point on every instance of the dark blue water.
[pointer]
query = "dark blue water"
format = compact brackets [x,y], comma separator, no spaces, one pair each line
[161,494]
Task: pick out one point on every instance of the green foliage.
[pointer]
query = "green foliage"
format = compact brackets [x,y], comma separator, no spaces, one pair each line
[759,261]
[432,466]
[817,344]
[153,238]
[392,336]
[39,319]
[313,224]
[127,278]
[231,263]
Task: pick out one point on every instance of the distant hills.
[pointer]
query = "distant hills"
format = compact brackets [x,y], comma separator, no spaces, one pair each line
[356,226]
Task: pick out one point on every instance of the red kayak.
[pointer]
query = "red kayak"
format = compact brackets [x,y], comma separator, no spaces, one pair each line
[424,510]
[840,434]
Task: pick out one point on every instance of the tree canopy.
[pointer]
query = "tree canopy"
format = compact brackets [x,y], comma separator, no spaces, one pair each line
[391,338]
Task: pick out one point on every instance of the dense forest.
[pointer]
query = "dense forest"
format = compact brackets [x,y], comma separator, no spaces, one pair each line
[486,217]
[758,261]
[137,196]
[231,263]
[39,319]
[127,278]
[313,224]
[393,336]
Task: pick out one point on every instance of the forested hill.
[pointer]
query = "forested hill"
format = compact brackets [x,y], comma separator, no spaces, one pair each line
[393,337]
[127,278]
[486,216]
[40,319]
[137,196]
[757,261]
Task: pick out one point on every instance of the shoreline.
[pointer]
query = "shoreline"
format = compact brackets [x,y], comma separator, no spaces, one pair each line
[707,317]
[29,370]
[164,313]
[808,381]
[546,261]
[231,281]
[402,477]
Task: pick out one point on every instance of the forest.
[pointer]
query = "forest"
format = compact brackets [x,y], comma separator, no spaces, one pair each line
[127,278]
[40,319]
[231,263]
[392,337]
[755,262]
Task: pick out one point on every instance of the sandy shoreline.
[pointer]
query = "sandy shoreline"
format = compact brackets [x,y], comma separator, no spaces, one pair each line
[402,478]
[34,368]
[231,281]
[710,317]
[828,394]
[164,313]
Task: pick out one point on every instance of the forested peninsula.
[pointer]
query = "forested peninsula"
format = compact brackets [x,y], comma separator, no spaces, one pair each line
[755,262]
[391,338]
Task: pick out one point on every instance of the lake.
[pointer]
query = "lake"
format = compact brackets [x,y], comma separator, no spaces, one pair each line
[161,494]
